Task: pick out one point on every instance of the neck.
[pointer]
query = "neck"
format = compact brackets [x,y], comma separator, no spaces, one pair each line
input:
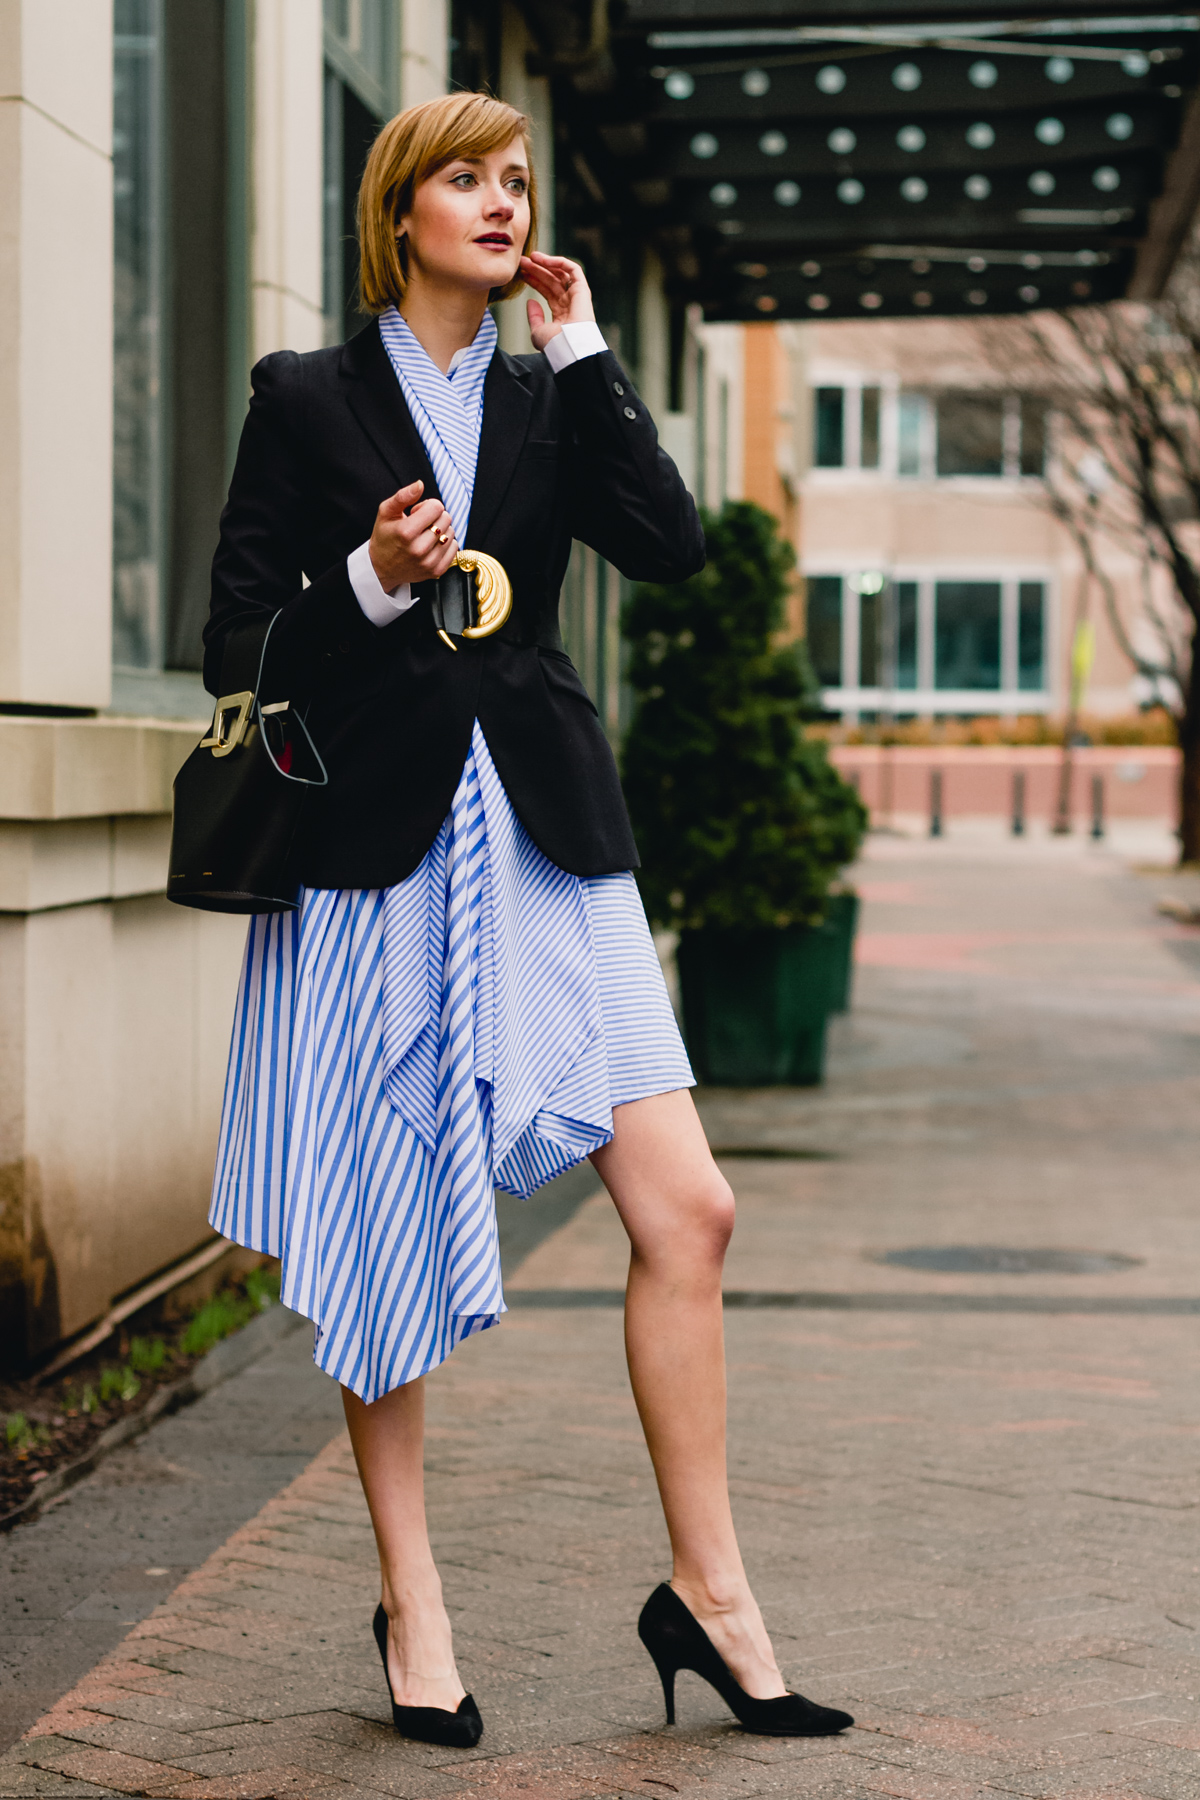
[443,317]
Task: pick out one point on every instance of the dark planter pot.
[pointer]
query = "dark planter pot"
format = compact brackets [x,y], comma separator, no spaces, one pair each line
[755,1003]
[841,917]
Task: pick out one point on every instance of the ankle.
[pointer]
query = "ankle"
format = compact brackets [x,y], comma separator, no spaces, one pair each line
[413,1594]
[712,1593]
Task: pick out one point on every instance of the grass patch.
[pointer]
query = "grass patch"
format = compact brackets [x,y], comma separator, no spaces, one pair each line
[228,1311]
[43,1426]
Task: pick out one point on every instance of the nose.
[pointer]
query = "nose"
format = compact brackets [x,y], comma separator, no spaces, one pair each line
[500,204]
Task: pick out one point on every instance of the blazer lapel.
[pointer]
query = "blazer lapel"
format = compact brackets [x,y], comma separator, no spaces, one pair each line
[507,411]
[379,406]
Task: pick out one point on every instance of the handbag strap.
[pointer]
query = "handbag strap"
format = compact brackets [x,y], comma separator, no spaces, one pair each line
[245,653]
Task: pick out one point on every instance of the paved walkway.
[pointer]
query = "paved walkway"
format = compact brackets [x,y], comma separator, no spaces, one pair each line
[975,1528]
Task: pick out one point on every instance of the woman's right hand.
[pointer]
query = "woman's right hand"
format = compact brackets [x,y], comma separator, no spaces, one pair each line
[413,539]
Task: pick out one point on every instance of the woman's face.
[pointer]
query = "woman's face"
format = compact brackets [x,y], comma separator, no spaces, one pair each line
[469,221]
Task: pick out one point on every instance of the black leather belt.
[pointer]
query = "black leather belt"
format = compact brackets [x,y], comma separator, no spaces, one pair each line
[472,599]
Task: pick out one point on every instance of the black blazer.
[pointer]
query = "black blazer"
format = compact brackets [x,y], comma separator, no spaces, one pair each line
[328,436]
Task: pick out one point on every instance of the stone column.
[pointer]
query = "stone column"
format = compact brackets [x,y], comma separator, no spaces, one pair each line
[56,229]
[531,95]
[286,243]
[424,46]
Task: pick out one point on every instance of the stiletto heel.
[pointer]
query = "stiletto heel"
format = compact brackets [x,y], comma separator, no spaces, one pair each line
[666,1674]
[459,1730]
[677,1641]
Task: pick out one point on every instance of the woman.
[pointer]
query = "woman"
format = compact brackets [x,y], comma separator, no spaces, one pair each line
[469,994]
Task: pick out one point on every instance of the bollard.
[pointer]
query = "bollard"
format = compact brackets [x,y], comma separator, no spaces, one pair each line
[935,803]
[1018,804]
[1097,806]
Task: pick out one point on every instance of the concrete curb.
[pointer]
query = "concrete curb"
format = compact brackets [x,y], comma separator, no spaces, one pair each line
[228,1358]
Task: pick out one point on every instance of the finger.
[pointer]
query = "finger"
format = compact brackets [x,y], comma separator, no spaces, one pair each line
[401,500]
[534,313]
[420,519]
[541,280]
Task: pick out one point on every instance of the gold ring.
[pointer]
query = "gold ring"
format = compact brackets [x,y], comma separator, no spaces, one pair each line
[443,537]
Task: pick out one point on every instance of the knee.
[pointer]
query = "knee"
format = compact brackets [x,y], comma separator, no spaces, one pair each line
[712,1215]
[683,1227]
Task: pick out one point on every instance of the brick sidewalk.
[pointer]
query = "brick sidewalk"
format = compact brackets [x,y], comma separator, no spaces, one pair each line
[976,1531]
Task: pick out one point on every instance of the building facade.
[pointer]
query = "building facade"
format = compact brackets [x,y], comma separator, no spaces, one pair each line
[935,582]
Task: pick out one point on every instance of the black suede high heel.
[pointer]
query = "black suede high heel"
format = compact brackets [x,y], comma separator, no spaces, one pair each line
[460,1730]
[678,1641]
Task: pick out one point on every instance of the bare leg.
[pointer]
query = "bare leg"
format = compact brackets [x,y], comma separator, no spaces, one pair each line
[389,1448]
[678,1211]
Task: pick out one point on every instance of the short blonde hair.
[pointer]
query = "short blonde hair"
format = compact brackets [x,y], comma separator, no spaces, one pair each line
[410,148]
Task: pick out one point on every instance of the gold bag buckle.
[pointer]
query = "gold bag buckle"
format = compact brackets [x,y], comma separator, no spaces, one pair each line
[222,742]
[493,595]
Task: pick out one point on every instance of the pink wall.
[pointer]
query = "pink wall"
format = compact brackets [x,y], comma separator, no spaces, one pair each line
[977,781]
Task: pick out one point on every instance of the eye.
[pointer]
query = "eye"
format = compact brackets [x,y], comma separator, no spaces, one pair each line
[518,184]
[463,180]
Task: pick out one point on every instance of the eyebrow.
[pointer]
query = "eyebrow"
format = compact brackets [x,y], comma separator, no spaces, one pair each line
[476,162]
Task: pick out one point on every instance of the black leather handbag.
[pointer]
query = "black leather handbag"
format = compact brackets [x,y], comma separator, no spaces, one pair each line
[240,794]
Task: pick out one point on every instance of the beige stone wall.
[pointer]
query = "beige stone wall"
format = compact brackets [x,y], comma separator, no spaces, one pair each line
[114,1021]
[114,1005]
[285,250]
[55,351]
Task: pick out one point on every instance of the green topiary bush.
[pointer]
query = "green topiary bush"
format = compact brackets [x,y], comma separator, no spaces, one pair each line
[740,821]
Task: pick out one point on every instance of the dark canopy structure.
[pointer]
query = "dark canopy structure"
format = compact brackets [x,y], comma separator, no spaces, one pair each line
[873,158]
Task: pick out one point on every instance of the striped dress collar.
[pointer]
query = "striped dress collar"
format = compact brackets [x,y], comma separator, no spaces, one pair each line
[447,410]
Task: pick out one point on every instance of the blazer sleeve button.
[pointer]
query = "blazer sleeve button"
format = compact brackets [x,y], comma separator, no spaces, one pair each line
[629,413]
[617,388]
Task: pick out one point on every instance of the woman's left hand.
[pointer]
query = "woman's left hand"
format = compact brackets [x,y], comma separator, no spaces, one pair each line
[563,286]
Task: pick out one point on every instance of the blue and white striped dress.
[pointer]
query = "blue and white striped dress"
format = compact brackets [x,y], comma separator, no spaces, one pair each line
[399,1052]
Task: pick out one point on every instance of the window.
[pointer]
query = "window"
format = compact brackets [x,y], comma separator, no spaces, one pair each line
[1031,636]
[913,411]
[359,94]
[824,628]
[868,455]
[970,434]
[180,314]
[870,621]
[967,634]
[830,428]
[906,633]
[1033,435]
[847,427]
[137,324]
[941,643]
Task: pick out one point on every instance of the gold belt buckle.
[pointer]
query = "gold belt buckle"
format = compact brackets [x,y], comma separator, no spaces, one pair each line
[493,595]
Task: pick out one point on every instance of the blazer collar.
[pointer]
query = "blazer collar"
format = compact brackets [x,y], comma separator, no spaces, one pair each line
[375,398]
[377,403]
[507,411]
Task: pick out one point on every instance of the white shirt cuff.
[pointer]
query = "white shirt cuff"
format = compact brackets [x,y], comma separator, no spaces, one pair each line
[572,344]
[378,605]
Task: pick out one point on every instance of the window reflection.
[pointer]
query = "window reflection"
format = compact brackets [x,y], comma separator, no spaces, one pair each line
[137,298]
[970,434]
[824,628]
[1031,636]
[967,634]
[906,634]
